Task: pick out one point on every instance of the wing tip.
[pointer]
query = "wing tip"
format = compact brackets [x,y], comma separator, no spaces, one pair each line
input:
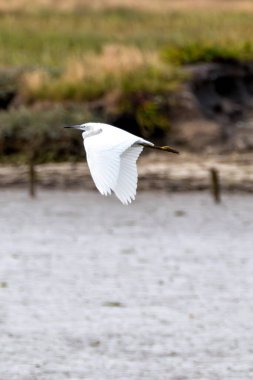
[126,200]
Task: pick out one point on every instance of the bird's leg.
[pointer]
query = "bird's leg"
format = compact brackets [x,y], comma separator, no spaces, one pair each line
[164,148]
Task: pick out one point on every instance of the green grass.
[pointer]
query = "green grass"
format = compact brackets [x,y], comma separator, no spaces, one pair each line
[49,39]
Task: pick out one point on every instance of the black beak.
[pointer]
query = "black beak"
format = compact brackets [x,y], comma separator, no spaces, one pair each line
[73,126]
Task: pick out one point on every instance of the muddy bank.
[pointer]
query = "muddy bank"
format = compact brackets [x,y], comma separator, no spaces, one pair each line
[93,289]
[156,171]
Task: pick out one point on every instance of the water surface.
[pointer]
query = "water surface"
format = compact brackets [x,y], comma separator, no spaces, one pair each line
[91,289]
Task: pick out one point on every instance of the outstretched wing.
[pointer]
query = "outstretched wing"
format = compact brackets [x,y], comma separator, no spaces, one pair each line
[104,168]
[103,153]
[126,185]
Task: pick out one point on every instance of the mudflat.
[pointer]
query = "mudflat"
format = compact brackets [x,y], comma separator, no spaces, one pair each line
[91,289]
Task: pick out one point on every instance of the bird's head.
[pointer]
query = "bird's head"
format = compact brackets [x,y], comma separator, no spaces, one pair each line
[88,129]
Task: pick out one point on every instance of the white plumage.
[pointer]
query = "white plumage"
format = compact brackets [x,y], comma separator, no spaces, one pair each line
[111,155]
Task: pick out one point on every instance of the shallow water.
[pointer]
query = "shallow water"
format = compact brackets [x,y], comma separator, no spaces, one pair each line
[91,289]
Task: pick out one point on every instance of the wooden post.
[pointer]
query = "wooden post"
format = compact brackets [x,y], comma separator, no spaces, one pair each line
[215,185]
[32,175]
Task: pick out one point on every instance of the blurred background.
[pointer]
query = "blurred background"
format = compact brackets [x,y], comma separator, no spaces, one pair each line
[161,289]
[177,72]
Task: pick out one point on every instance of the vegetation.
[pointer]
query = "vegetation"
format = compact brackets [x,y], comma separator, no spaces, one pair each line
[117,69]
[40,134]
[109,61]
[51,39]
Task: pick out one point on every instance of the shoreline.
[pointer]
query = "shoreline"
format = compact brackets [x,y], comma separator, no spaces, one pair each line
[186,172]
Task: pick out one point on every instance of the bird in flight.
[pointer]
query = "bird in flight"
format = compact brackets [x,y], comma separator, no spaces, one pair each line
[111,156]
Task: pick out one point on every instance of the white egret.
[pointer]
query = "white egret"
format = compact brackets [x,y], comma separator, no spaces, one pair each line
[111,155]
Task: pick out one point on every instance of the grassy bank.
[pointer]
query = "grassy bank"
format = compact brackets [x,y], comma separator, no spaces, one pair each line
[113,61]
[82,55]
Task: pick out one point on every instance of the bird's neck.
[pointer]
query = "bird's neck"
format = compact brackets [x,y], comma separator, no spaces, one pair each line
[91,132]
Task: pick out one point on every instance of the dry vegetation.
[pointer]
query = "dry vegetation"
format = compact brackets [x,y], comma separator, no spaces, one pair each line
[118,69]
